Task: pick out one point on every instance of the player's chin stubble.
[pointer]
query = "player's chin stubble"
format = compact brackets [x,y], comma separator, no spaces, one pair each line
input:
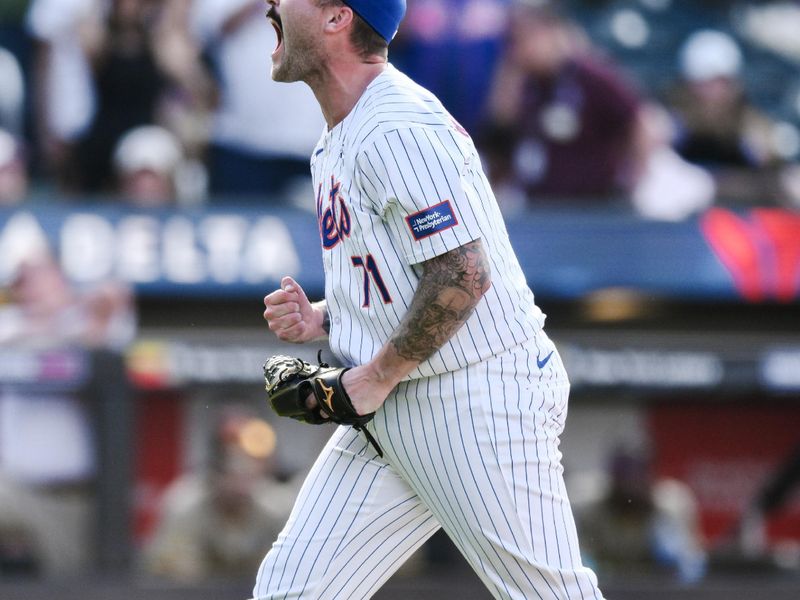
[297,64]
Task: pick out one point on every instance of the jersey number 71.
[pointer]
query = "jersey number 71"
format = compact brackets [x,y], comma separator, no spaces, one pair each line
[371,271]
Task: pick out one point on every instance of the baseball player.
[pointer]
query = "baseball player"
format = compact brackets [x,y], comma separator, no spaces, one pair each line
[426,303]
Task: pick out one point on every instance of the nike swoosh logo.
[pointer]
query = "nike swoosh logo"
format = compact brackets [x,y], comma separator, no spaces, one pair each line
[544,361]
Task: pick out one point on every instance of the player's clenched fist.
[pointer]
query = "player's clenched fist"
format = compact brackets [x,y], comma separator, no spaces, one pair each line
[291,316]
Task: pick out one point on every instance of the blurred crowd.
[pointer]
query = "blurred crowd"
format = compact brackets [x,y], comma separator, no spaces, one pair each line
[665,106]
[147,101]
[48,439]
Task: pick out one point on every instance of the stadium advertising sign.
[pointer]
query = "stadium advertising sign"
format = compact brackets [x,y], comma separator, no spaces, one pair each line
[565,254]
[642,367]
[159,252]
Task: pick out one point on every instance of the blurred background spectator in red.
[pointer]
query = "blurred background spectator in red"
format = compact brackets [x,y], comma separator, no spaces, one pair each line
[258,148]
[219,522]
[562,122]
[449,47]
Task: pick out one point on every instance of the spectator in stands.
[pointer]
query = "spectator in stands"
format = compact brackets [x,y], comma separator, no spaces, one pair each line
[46,444]
[449,46]
[13,171]
[666,186]
[63,88]
[254,152]
[188,108]
[147,160]
[717,126]
[46,310]
[562,123]
[140,59]
[641,525]
[220,523]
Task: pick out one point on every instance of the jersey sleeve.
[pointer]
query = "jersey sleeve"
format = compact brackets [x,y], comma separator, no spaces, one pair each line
[416,179]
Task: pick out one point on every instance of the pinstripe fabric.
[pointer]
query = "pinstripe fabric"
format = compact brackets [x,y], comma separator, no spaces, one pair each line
[474,451]
[471,436]
[399,152]
[354,523]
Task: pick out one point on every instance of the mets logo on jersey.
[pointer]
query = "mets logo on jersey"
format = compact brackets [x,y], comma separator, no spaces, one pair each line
[432,220]
[333,217]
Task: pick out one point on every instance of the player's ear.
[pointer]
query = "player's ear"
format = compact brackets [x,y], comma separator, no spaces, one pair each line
[338,18]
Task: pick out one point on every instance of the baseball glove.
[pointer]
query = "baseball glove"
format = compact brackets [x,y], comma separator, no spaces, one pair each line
[290,381]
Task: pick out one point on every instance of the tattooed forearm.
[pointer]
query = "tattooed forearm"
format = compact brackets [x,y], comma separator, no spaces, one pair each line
[449,289]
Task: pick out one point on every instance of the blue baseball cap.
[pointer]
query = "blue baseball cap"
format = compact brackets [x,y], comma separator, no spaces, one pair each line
[383,16]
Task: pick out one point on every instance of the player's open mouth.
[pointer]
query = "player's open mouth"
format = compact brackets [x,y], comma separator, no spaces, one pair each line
[275,19]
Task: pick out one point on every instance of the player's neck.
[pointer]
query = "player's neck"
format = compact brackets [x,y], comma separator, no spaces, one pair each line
[340,87]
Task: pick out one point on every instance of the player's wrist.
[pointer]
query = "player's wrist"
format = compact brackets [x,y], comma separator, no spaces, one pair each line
[321,320]
[388,368]
[379,380]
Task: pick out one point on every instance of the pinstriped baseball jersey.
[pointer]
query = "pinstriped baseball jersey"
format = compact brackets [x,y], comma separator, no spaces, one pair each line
[470,439]
[398,182]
